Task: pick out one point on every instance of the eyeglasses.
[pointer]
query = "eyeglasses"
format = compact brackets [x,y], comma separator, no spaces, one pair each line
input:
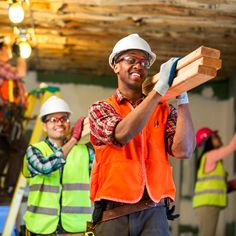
[54,120]
[145,63]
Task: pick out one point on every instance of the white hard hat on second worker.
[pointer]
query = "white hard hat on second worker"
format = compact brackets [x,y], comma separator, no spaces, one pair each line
[132,41]
[53,105]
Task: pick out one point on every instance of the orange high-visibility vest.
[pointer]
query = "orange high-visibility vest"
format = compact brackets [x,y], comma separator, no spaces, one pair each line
[13,91]
[121,173]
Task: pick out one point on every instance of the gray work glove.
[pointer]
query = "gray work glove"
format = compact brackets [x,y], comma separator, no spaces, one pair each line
[166,76]
[182,98]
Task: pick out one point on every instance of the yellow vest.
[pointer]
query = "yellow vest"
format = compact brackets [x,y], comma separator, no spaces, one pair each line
[63,197]
[210,188]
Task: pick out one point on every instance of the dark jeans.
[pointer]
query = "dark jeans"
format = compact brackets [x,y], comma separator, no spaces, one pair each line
[11,154]
[148,222]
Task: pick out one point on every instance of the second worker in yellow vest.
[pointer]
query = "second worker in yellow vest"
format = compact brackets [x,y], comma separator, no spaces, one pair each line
[58,171]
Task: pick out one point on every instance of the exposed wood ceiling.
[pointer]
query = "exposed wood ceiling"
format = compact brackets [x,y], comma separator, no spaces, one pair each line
[78,35]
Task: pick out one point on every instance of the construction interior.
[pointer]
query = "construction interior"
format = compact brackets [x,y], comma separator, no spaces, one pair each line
[71,42]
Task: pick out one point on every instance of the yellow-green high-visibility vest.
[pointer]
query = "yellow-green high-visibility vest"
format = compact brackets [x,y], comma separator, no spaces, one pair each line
[63,197]
[76,208]
[210,188]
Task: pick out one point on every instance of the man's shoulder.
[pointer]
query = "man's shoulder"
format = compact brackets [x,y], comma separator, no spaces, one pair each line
[100,104]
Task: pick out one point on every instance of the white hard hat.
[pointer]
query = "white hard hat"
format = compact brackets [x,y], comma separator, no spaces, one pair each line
[132,41]
[53,105]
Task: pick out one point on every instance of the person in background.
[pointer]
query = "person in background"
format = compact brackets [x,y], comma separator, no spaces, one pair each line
[12,107]
[133,136]
[210,194]
[58,174]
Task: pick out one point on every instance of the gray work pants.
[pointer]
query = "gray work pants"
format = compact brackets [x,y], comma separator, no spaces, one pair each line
[207,217]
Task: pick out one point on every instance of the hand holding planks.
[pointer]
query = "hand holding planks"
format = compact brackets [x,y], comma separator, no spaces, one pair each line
[192,70]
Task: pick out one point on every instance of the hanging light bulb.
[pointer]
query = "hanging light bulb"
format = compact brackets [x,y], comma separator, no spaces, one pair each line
[16,12]
[23,41]
[25,49]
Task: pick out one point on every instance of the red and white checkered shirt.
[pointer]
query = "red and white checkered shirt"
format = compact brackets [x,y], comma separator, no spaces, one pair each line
[103,119]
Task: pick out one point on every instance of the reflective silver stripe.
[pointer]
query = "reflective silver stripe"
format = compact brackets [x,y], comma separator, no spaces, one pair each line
[212,191]
[70,187]
[45,188]
[80,210]
[218,177]
[43,210]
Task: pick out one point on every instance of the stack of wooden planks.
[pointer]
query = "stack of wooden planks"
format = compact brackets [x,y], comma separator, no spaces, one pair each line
[192,70]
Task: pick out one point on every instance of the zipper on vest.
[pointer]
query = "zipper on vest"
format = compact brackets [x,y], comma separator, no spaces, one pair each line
[143,162]
[60,200]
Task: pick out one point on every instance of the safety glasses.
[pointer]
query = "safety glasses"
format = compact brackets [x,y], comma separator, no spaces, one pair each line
[130,60]
[54,120]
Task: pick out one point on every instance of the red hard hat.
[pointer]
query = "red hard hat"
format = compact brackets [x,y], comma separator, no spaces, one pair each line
[202,134]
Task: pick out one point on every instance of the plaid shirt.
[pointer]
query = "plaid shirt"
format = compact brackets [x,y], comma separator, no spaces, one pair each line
[8,72]
[104,118]
[37,164]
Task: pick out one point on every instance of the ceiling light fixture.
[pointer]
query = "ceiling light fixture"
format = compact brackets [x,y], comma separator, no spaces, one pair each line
[16,12]
[25,49]
[23,39]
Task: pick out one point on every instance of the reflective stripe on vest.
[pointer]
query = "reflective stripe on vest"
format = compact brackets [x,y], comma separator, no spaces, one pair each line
[44,188]
[210,188]
[80,210]
[46,193]
[121,173]
[75,187]
[42,210]
[10,91]
[212,191]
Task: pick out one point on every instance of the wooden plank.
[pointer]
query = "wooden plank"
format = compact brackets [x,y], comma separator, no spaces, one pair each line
[190,79]
[202,51]
[207,61]
[193,56]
